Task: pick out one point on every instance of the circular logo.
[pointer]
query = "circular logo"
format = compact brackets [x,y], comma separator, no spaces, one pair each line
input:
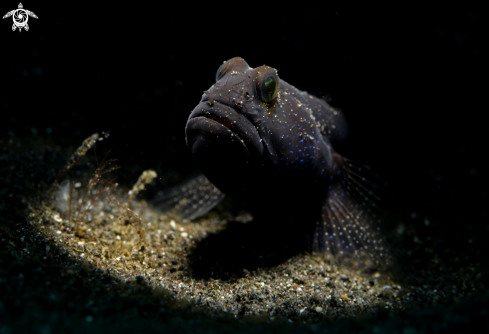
[20,17]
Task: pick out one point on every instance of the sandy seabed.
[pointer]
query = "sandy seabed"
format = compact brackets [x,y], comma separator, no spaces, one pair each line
[123,249]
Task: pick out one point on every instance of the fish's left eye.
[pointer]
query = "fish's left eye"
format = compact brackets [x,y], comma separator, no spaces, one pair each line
[219,70]
[269,86]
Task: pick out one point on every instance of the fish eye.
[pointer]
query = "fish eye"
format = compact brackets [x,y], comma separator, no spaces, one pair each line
[268,86]
[219,70]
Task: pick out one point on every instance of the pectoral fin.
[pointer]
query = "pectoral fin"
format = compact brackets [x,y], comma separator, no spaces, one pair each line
[191,199]
[350,228]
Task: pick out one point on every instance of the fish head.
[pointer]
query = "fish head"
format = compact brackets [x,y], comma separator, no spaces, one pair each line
[252,129]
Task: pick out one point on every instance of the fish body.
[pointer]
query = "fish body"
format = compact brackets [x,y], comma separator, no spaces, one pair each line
[262,141]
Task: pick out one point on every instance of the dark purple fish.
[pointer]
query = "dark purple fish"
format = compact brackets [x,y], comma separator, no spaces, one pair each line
[262,141]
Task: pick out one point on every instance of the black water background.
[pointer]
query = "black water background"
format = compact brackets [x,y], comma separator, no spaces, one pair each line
[411,77]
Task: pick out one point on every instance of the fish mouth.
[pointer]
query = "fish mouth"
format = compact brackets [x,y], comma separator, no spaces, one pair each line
[220,121]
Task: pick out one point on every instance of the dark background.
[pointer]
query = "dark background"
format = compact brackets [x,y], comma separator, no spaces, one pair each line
[410,75]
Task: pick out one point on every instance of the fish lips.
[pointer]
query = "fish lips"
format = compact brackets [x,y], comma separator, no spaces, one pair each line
[223,122]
